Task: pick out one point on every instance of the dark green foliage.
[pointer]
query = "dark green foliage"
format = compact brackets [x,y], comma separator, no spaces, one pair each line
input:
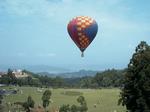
[72,93]
[46,98]
[64,108]
[11,77]
[1,106]
[49,81]
[72,82]
[86,82]
[1,103]
[28,104]
[108,78]
[83,108]
[5,80]
[83,105]
[81,100]
[136,91]
[74,108]
[1,98]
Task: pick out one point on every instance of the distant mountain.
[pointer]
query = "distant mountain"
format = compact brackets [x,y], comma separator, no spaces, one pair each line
[46,69]
[80,73]
[47,74]
[51,71]
[36,68]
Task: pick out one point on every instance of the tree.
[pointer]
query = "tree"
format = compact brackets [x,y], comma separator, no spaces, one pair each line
[10,76]
[83,105]
[46,98]
[74,108]
[81,100]
[1,98]
[28,104]
[64,108]
[135,94]
[58,82]
[109,78]
[86,82]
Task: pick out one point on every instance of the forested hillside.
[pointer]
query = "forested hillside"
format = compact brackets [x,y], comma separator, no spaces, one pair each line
[107,78]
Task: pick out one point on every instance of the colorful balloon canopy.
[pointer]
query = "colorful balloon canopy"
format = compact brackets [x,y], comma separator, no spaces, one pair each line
[82,30]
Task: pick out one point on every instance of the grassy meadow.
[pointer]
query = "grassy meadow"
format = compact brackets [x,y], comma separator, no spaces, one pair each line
[105,99]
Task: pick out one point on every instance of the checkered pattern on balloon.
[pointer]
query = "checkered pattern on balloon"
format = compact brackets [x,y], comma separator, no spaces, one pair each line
[82,30]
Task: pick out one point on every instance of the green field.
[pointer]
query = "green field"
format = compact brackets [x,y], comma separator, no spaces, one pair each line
[105,99]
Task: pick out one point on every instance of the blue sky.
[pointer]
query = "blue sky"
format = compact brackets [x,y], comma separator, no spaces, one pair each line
[33,32]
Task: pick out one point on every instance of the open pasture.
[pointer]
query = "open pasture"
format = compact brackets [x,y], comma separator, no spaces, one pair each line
[106,100]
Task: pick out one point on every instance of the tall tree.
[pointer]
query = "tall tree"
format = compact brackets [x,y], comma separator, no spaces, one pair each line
[136,91]
[46,98]
[28,104]
[83,106]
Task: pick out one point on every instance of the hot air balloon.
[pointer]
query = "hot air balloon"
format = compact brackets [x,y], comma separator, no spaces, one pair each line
[82,30]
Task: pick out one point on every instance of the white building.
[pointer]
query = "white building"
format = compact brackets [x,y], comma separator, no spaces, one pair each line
[20,74]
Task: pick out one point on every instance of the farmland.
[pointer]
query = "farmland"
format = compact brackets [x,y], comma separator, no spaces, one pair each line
[106,100]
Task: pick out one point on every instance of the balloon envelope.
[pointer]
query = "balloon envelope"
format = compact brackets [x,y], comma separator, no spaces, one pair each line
[82,30]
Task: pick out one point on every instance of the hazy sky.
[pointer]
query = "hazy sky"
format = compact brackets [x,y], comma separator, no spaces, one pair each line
[33,32]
